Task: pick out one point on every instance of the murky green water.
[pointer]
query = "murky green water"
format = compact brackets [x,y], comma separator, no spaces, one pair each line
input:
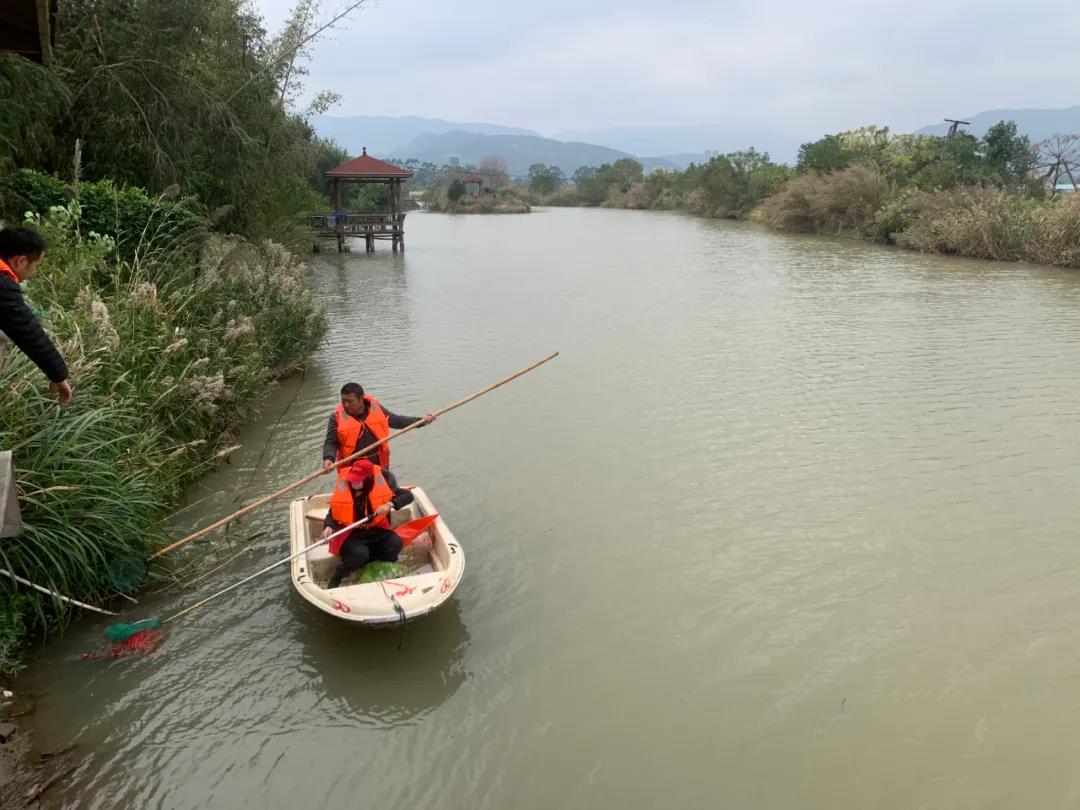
[791,522]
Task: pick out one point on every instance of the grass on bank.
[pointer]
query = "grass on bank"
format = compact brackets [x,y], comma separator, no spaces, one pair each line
[168,351]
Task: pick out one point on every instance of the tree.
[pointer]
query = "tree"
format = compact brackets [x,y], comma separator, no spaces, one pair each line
[367,198]
[823,155]
[624,173]
[545,179]
[595,185]
[932,162]
[425,174]
[582,173]
[1008,155]
[730,185]
[494,171]
[455,191]
[189,93]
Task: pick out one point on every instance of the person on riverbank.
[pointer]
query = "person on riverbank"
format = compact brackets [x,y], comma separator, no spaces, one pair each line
[365,490]
[359,421]
[21,252]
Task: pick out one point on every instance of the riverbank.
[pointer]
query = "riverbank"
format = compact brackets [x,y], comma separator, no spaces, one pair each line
[962,196]
[504,201]
[171,344]
[27,774]
[977,223]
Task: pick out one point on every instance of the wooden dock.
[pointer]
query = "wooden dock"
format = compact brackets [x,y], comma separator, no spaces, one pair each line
[369,227]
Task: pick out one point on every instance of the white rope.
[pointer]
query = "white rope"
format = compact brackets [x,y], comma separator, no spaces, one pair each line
[54,593]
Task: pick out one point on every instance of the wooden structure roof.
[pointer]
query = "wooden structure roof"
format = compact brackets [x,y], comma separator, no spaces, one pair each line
[28,27]
[366,167]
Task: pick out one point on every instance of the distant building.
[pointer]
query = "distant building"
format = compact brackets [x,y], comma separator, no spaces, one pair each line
[455,161]
[474,183]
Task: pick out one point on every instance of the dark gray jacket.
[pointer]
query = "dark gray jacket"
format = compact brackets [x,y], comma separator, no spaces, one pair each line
[24,330]
[330,445]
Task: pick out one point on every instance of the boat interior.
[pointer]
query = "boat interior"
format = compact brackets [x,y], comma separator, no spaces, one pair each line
[426,554]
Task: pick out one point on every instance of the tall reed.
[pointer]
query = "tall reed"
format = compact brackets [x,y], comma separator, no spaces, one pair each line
[170,347]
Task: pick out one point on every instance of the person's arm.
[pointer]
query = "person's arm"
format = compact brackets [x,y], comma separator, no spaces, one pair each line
[402,497]
[398,422]
[24,330]
[330,443]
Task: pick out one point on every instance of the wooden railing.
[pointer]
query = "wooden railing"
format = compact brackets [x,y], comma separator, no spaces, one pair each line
[330,222]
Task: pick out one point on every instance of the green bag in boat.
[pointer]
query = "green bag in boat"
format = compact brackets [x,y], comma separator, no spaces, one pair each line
[374,571]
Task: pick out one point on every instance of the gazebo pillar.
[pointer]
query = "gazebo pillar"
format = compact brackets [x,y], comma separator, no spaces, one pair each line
[339,226]
[396,239]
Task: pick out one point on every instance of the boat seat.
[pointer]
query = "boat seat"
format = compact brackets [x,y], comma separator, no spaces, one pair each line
[320,562]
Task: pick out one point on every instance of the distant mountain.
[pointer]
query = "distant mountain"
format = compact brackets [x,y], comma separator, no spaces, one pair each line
[651,164]
[383,134]
[683,159]
[670,141]
[1037,124]
[519,151]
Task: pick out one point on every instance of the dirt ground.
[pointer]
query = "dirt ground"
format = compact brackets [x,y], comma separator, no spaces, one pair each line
[26,774]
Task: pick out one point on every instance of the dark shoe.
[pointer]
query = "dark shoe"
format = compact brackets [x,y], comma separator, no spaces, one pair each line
[334,582]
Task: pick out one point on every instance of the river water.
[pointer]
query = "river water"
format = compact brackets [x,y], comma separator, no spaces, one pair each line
[791,522]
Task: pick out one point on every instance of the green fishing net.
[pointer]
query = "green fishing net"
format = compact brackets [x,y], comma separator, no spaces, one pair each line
[378,570]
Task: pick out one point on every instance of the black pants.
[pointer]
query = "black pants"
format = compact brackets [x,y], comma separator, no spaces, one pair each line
[363,546]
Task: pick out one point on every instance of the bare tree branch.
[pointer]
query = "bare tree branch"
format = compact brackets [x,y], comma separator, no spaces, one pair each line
[349,9]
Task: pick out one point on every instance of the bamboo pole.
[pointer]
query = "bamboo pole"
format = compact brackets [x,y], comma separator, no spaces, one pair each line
[347,460]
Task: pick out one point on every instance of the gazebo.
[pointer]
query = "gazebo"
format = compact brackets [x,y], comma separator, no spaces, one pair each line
[342,224]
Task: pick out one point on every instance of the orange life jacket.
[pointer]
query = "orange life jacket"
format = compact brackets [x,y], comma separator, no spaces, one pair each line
[6,270]
[349,429]
[343,506]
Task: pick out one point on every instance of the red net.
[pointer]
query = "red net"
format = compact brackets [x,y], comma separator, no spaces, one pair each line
[143,642]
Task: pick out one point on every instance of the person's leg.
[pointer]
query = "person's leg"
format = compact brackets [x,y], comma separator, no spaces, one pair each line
[354,556]
[388,546]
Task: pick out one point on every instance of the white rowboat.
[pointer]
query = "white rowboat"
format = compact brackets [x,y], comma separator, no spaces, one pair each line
[435,560]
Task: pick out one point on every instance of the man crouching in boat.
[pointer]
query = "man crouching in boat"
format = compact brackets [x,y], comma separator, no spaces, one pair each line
[364,490]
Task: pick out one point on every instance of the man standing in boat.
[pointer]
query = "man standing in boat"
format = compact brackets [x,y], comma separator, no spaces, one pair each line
[364,490]
[359,421]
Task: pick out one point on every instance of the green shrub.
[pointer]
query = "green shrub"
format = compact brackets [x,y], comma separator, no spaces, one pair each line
[844,202]
[26,190]
[166,356]
[133,219]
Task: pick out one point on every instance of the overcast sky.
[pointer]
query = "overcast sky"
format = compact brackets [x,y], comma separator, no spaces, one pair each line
[805,67]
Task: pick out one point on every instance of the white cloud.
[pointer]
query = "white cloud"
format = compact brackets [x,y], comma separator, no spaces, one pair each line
[794,65]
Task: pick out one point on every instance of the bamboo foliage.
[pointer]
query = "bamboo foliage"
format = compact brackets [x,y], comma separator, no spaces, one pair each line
[189,93]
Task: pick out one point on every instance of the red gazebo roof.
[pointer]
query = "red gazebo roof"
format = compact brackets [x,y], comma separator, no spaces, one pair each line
[367,166]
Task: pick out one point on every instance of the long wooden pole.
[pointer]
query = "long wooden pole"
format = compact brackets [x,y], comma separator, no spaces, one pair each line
[347,460]
[271,567]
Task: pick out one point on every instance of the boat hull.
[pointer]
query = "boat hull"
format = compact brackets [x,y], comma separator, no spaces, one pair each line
[436,557]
